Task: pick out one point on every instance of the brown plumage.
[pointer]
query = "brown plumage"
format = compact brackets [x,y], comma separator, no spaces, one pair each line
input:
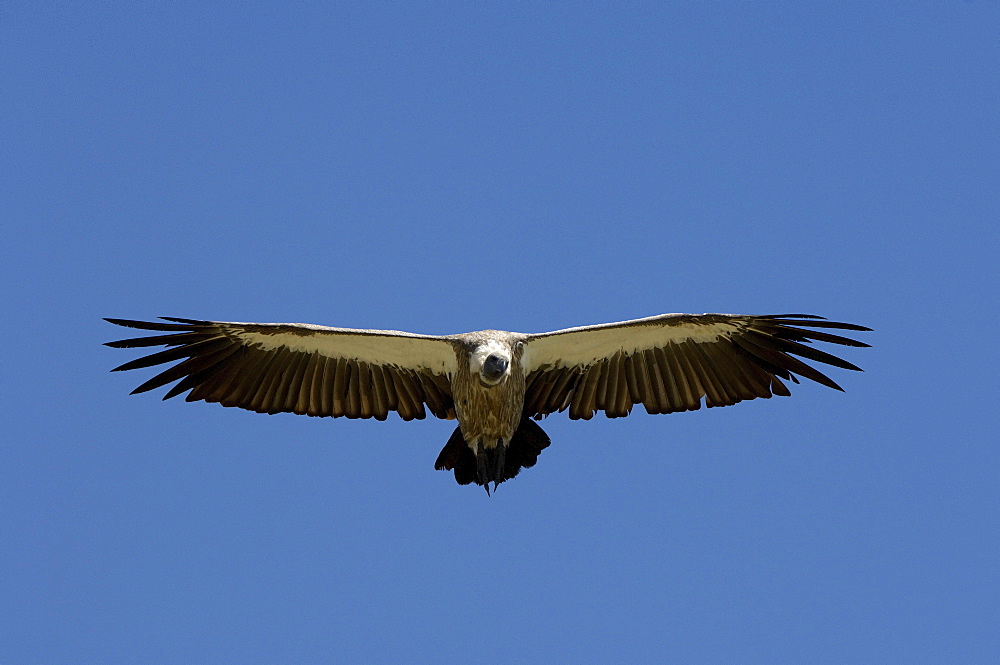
[492,381]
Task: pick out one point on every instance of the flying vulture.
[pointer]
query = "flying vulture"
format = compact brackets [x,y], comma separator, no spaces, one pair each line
[495,383]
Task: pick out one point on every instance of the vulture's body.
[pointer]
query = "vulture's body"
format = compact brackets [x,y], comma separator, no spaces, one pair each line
[493,382]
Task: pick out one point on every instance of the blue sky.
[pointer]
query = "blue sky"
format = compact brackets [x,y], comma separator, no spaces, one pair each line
[451,167]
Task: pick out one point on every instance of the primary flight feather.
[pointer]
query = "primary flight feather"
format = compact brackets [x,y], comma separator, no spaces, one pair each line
[495,383]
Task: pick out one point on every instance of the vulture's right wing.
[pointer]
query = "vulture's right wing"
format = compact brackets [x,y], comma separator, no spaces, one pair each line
[299,368]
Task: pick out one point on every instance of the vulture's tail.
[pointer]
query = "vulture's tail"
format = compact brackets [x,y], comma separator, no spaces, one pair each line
[522,452]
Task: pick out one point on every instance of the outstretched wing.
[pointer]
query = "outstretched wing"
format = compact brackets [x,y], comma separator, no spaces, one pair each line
[299,368]
[669,363]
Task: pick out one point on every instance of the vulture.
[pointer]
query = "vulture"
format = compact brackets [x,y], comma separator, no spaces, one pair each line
[496,384]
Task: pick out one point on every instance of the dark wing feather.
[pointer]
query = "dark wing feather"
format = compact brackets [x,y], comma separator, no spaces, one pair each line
[298,368]
[675,362]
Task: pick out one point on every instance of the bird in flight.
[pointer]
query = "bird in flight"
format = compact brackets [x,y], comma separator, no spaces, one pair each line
[496,384]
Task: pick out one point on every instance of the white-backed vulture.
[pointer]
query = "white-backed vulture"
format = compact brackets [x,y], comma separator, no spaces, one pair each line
[495,383]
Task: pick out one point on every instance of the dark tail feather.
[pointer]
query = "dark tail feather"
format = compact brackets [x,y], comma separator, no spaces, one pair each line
[457,455]
[522,452]
[528,442]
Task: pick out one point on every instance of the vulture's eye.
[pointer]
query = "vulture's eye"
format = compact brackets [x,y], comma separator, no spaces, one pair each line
[494,367]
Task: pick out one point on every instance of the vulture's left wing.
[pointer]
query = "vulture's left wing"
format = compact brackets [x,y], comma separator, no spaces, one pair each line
[299,368]
[671,362]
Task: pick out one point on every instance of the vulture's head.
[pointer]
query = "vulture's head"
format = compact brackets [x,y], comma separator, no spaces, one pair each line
[490,361]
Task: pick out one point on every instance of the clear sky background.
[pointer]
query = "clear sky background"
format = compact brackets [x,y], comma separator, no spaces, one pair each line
[442,168]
